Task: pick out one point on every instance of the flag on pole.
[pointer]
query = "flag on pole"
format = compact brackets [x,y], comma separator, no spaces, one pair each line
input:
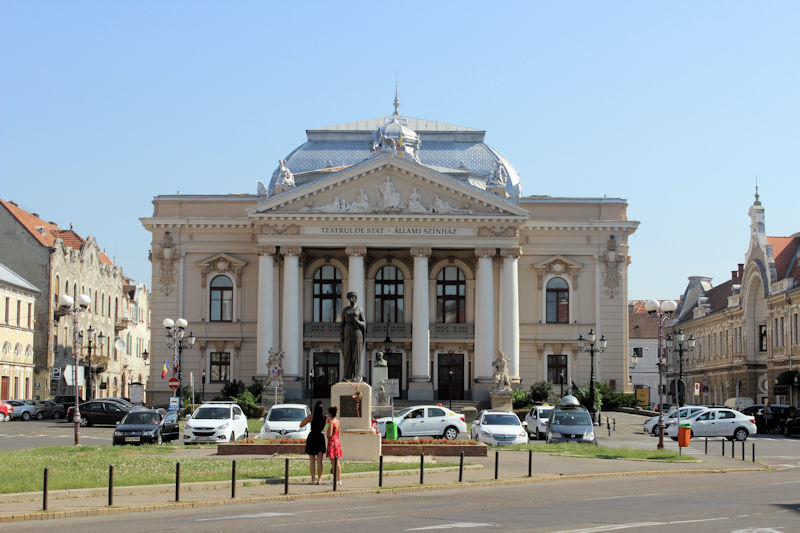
[164,370]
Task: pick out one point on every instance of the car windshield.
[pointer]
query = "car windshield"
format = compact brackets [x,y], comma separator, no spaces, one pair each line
[545,413]
[286,414]
[501,420]
[572,418]
[212,413]
[141,417]
[403,413]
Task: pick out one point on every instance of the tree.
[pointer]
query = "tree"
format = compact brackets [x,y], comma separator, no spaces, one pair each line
[541,391]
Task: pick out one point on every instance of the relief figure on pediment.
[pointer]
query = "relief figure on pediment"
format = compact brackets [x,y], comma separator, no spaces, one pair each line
[336,206]
[387,196]
[361,205]
[440,205]
[415,203]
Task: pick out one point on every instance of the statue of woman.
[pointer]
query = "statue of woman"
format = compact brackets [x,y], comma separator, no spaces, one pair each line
[354,332]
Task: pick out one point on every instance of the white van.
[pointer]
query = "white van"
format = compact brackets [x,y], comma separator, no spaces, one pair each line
[739,403]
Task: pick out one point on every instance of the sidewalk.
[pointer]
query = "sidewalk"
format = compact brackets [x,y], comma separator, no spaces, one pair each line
[513,468]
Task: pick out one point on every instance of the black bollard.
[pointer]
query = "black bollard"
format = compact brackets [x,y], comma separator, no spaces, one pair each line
[530,463]
[733,448]
[742,450]
[233,479]
[380,471]
[723,447]
[335,473]
[706,445]
[421,468]
[615,424]
[286,477]
[45,488]
[496,463]
[110,485]
[461,468]
[754,452]
[178,481]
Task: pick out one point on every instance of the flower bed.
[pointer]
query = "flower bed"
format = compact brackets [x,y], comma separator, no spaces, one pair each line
[435,447]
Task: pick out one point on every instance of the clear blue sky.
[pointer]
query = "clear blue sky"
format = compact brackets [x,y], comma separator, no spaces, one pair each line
[675,106]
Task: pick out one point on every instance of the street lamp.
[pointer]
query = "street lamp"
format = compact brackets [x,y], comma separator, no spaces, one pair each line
[176,333]
[450,383]
[677,346]
[594,347]
[203,381]
[387,345]
[90,346]
[661,312]
[68,304]
[561,379]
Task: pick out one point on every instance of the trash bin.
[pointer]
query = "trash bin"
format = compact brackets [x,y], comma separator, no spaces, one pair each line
[684,434]
[391,430]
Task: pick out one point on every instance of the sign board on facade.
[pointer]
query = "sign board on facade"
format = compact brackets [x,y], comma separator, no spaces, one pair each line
[389,231]
[174,403]
[643,396]
[697,389]
[56,373]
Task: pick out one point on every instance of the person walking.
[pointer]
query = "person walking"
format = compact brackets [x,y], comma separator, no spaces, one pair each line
[334,447]
[315,442]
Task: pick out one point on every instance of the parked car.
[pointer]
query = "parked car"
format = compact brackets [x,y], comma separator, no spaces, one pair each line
[53,409]
[425,420]
[65,399]
[538,418]
[716,422]
[6,410]
[215,422]
[570,422]
[147,426]
[651,424]
[738,403]
[499,428]
[778,415]
[100,411]
[26,409]
[792,425]
[283,421]
[671,427]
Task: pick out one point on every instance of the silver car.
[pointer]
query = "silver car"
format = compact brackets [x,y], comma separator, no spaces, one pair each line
[27,409]
[570,422]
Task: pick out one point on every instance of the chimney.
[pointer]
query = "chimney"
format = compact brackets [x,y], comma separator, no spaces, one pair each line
[741,271]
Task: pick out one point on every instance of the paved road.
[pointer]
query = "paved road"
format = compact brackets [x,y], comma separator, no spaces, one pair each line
[20,435]
[732,502]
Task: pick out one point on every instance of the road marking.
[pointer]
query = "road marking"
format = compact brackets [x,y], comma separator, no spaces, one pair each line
[237,517]
[625,497]
[616,527]
[784,483]
[454,525]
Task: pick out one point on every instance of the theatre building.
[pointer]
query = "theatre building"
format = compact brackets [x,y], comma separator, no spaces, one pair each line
[428,225]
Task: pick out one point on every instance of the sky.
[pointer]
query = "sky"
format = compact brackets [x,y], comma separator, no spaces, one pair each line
[678,107]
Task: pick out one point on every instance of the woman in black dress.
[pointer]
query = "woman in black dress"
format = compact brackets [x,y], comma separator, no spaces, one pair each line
[315,442]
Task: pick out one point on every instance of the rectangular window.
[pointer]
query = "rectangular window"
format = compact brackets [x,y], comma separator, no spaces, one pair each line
[30,312]
[220,367]
[762,338]
[794,329]
[783,340]
[638,351]
[557,369]
[775,335]
[8,310]
[19,311]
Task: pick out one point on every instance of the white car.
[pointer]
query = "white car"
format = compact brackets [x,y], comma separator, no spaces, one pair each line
[499,428]
[283,421]
[426,420]
[716,422]
[651,424]
[215,422]
[538,418]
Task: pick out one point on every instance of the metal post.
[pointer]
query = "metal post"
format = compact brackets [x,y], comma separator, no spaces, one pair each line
[733,448]
[335,473]
[754,452]
[461,468]
[706,445]
[233,479]
[178,481]
[45,488]
[421,468]
[380,471]
[615,424]
[591,383]
[496,463]
[742,450]
[286,477]
[530,463]
[76,413]
[723,447]
[110,485]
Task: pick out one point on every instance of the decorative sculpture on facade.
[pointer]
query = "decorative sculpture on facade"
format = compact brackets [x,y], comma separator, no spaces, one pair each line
[498,177]
[261,189]
[388,198]
[282,178]
[415,203]
[274,370]
[361,205]
[353,335]
[502,377]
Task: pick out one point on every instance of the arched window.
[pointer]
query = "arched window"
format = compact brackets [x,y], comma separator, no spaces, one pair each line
[451,296]
[557,301]
[221,299]
[327,294]
[389,295]
[94,303]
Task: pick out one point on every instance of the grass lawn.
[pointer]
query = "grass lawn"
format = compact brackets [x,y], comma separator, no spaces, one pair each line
[72,467]
[599,452]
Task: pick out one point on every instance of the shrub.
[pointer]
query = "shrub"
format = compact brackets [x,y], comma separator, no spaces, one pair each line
[521,398]
[541,391]
[612,399]
[583,396]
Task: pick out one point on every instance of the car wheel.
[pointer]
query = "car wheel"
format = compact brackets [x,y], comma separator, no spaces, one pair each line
[246,433]
[450,433]
[39,416]
[26,416]
[56,415]
[85,422]
[233,437]
[158,438]
[654,431]
[740,434]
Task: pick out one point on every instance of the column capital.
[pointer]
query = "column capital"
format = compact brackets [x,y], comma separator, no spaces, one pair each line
[291,250]
[265,250]
[485,252]
[356,251]
[421,251]
[511,253]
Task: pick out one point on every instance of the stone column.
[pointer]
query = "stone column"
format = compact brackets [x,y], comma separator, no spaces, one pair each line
[420,387]
[290,321]
[265,338]
[484,315]
[355,283]
[509,327]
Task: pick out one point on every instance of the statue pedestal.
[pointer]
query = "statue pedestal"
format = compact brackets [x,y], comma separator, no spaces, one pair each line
[502,400]
[359,441]
[270,398]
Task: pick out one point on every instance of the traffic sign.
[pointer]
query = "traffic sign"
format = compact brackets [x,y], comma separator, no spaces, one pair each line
[173,383]
[697,389]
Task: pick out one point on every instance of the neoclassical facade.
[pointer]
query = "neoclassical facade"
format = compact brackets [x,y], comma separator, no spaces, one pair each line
[746,329]
[427,224]
[18,307]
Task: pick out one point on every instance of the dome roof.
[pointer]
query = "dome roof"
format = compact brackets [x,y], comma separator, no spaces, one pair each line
[455,151]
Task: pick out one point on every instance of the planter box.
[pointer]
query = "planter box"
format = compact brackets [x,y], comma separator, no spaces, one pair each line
[438,450]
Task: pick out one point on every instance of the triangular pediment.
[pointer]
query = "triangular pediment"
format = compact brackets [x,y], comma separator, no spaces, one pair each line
[388,185]
[221,263]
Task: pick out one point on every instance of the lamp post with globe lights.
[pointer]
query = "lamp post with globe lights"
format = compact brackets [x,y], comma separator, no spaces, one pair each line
[592,348]
[661,312]
[74,309]
[678,346]
[91,345]
[176,333]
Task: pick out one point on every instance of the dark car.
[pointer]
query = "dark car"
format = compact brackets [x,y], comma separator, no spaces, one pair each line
[778,413]
[66,400]
[792,425]
[147,426]
[100,411]
[53,409]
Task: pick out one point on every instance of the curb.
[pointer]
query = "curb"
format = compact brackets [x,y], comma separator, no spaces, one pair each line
[99,511]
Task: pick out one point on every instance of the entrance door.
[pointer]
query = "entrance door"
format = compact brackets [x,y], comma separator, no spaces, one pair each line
[326,373]
[451,376]
[4,389]
[394,364]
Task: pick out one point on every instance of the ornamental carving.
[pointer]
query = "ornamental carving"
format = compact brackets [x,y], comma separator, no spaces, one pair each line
[498,231]
[221,264]
[280,229]
[165,254]
[558,265]
[613,262]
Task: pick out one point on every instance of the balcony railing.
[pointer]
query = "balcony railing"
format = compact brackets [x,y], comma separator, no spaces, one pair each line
[452,331]
[321,329]
[395,330]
